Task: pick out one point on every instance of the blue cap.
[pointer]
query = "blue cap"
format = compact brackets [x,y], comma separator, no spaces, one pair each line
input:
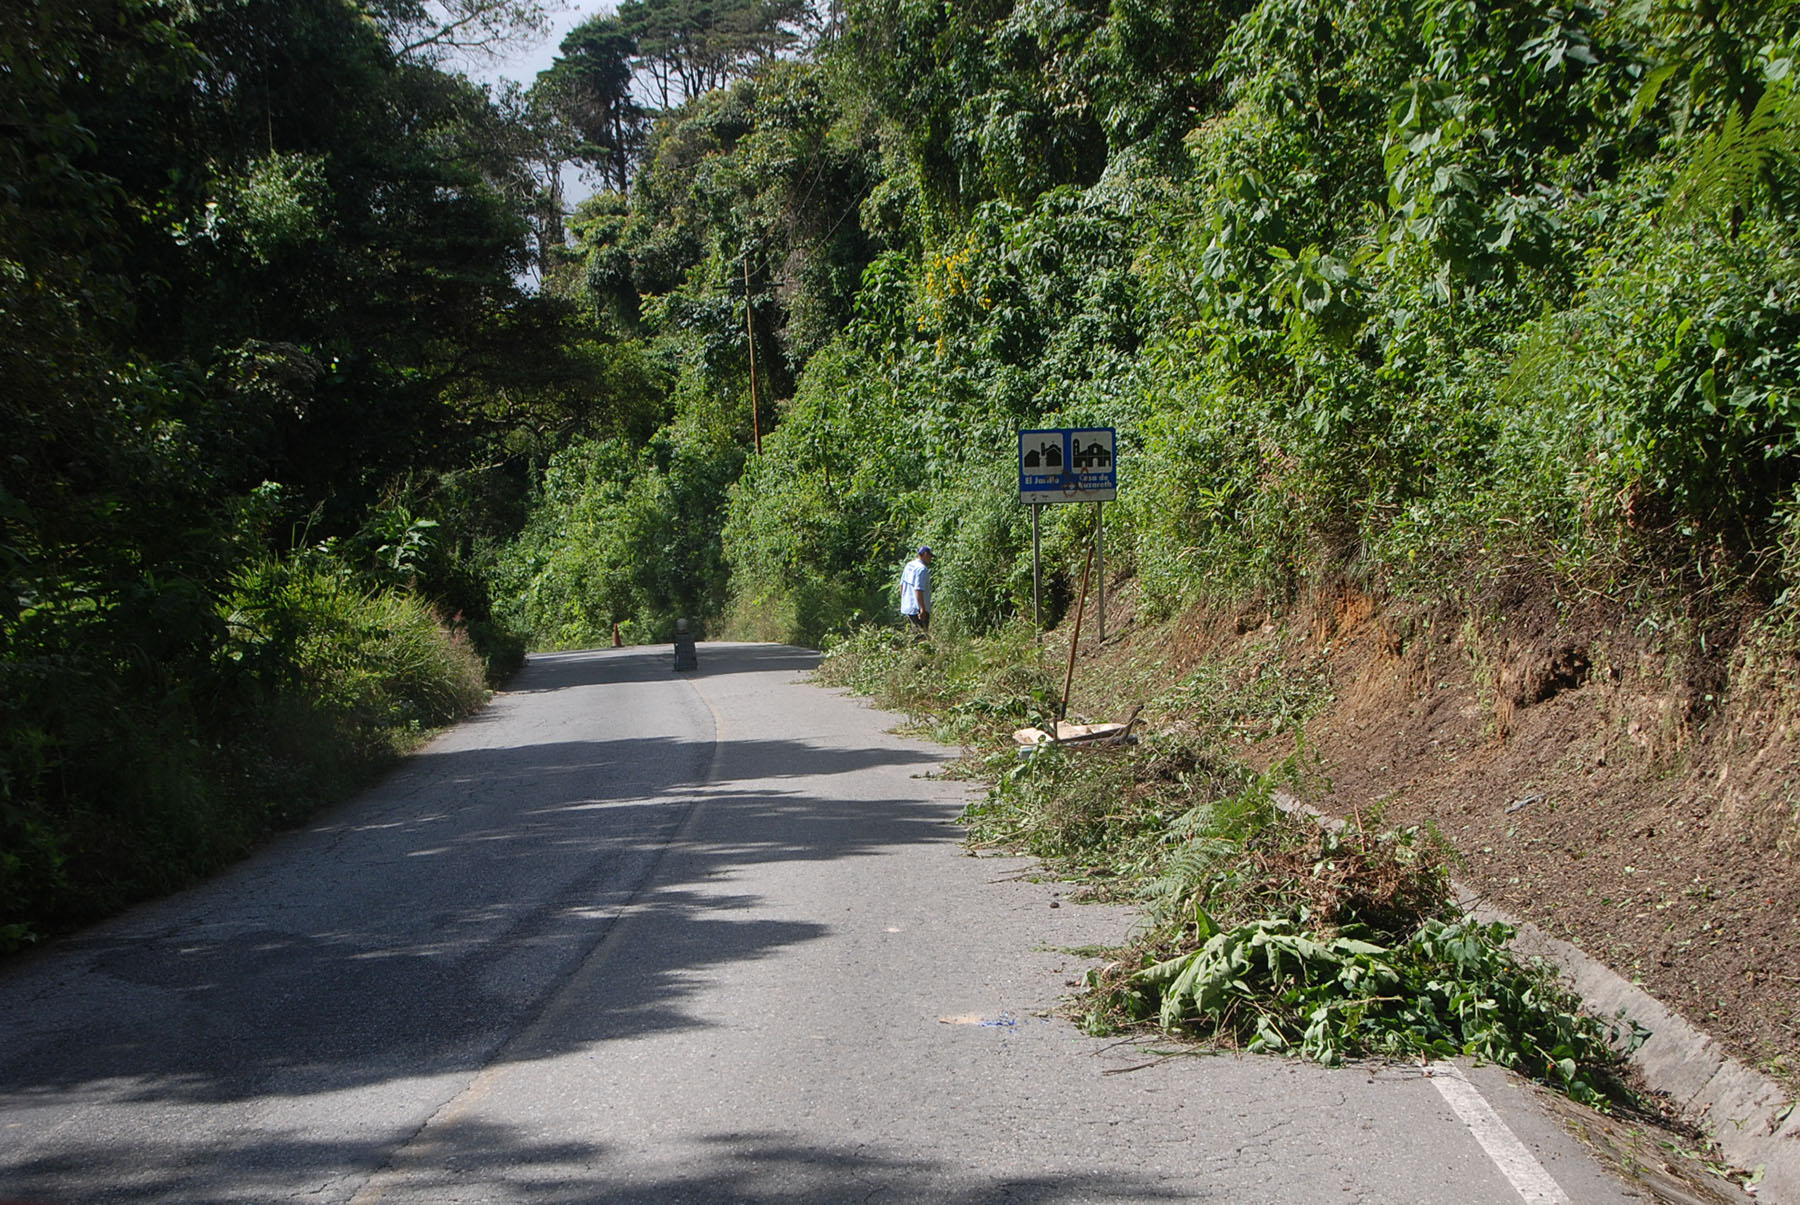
[924,550]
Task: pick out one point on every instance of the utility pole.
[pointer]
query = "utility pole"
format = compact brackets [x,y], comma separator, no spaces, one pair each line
[750,333]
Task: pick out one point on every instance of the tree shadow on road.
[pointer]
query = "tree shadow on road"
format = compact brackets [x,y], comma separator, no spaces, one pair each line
[475,1160]
[405,939]
[755,1168]
[408,932]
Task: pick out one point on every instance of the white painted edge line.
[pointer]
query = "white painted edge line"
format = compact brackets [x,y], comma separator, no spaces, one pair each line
[1522,1171]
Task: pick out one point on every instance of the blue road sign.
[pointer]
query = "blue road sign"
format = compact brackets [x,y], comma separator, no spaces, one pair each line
[1069,464]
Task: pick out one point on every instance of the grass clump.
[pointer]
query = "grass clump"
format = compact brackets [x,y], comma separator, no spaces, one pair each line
[1108,820]
[966,691]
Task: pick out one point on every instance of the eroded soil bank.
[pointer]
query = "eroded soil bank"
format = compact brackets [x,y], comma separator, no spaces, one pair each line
[1625,788]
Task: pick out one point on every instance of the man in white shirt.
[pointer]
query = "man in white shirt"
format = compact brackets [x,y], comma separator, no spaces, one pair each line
[915,591]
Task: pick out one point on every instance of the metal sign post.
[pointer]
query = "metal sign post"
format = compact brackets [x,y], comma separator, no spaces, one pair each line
[1037,577]
[1100,564]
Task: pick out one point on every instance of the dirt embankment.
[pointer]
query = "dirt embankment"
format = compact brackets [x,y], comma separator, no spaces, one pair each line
[1630,791]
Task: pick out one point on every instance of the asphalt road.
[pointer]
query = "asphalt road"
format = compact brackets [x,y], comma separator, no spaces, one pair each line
[633,936]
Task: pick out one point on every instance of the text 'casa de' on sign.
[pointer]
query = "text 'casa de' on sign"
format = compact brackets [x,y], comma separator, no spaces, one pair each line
[1069,464]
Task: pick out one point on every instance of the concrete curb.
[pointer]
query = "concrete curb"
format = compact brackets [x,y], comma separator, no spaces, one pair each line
[1754,1122]
[1752,1119]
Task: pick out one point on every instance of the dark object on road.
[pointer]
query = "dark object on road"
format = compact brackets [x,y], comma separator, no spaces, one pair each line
[685,657]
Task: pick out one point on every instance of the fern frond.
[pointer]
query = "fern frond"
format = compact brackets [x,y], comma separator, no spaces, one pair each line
[1730,166]
[1651,89]
[1192,866]
[1542,352]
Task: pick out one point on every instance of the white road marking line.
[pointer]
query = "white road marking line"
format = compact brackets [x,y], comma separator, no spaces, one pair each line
[1516,1163]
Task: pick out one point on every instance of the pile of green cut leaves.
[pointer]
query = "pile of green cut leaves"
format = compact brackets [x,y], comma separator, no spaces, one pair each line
[1274,933]
[1282,983]
[1269,931]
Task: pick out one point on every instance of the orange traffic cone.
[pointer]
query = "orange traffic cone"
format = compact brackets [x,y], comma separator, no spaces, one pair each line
[617,643]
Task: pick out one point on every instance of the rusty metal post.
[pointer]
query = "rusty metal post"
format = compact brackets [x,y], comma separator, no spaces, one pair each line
[1075,637]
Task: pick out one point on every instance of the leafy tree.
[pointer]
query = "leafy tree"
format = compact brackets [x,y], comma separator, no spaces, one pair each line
[589,89]
[689,47]
[243,244]
[1726,69]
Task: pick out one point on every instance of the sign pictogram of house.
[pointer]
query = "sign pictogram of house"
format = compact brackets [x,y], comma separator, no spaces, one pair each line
[1095,456]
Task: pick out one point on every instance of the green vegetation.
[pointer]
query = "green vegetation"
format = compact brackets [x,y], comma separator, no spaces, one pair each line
[1448,988]
[317,681]
[1274,933]
[1414,293]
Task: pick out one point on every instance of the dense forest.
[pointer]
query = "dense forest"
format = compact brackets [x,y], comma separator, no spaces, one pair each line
[318,405]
